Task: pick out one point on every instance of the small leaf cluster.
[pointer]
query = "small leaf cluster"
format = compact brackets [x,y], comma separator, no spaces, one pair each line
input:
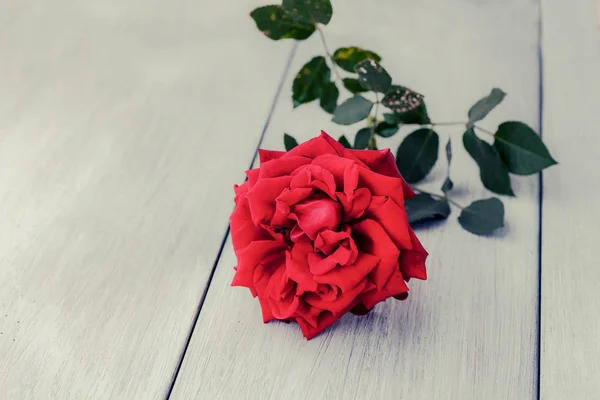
[515,148]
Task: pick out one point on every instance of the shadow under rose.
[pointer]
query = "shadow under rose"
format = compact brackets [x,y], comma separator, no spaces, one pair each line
[398,320]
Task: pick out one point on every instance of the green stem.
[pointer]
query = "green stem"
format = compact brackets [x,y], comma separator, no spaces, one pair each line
[372,142]
[335,69]
[447,123]
[484,130]
[449,200]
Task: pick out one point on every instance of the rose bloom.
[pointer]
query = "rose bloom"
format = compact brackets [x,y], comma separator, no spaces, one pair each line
[321,230]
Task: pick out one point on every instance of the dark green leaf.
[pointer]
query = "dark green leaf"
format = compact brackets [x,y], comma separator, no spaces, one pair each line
[485,105]
[275,24]
[492,170]
[308,12]
[361,140]
[521,149]
[417,154]
[384,129]
[353,86]
[344,142]
[329,97]
[424,207]
[402,100]
[348,57]
[449,152]
[416,116]
[372,76]
[289,142]
[390,119]
[310,81]
[352,110]
[483,216]
[448,185]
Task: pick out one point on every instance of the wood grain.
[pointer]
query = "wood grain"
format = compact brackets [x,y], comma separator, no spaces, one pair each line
[470,331]
[122,126]
[570,337]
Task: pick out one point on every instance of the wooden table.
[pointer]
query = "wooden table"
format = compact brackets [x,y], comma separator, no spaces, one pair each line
[124,125]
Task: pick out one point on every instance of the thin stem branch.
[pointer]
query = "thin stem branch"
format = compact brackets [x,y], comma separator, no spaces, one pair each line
[448,123]
[335,69]
[483,130]
[372,142]
[416,189]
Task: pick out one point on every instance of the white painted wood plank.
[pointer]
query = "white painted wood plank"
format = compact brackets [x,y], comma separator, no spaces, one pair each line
[470,331]
[570,322]
[121,125]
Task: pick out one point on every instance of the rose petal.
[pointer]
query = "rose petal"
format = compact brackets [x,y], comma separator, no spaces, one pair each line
[370,237]
[355,205]
[317,214]
[412,262]
[392,218]
[282,166]
[268,155]
[312,148]
[348,276]
[297,268]
[261,198]
[395,286]
[345,300]
[381,185]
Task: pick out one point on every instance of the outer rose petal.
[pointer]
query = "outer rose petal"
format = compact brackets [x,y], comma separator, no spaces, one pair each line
[394,286]
[282,167]
[412,262]
[251,256]
[373,239]
[384,163]
[393,219]
[312,148]
[268,155]
[261,197]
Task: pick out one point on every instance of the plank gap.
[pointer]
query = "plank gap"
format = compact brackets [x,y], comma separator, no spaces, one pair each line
[226,235]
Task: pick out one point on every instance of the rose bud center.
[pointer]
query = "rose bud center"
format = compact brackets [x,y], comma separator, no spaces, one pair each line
[317,214]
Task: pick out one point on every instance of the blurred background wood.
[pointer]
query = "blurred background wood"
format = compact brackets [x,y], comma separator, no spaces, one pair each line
[570,296]
[123,125]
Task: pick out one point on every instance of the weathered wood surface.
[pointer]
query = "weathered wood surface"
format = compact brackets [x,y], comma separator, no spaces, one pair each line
[470,331]
[123,125]
[570,294]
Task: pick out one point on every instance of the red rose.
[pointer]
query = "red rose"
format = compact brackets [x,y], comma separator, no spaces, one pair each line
[321,230]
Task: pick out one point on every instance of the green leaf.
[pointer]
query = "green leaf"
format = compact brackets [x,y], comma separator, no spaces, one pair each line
[352,110]
[361,140]
[390,119]
[348,57]
[289,142]
[275,24]
[417,154]
[449,151]
[416,116]
[521,149]
[310,81]
[493,172]
[353,86]
[424,207]
[448,185]
[372,76]
[329,97]
[485,105]
[483,216]
[344,142]
[308,12]
[384,129]
[402,100]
